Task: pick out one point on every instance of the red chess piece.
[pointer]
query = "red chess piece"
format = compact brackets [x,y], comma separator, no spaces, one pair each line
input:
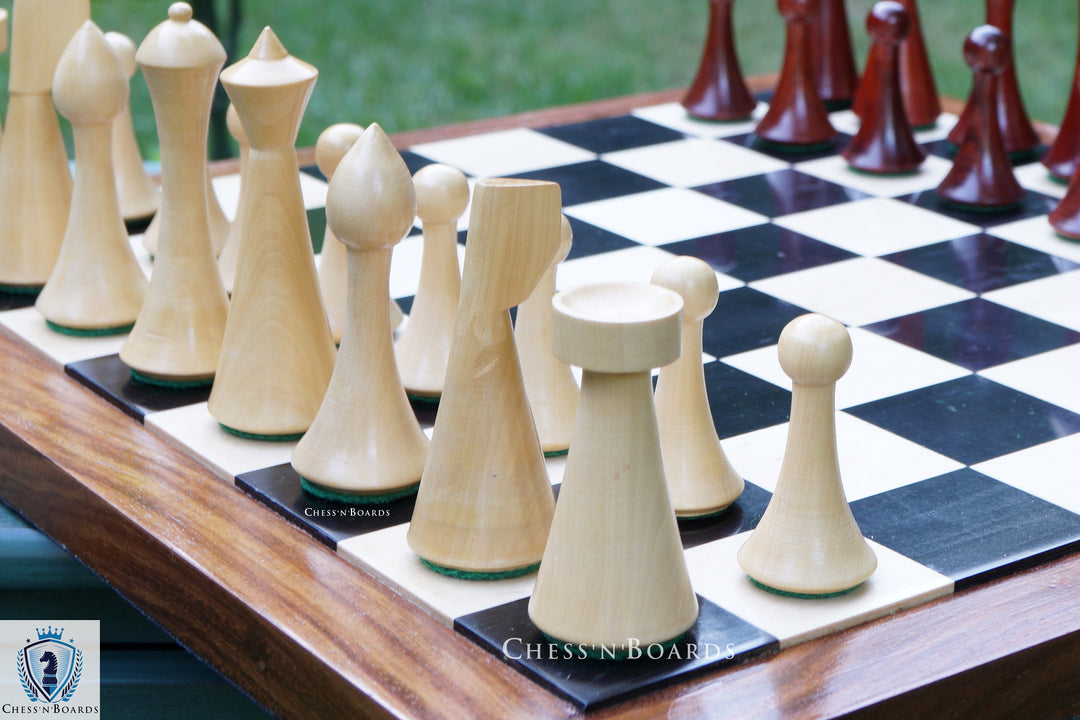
[916,77]
[719,91]
[796,115]
[885,142]
[1063,157]
[834,60]
[981,175]
[1065,218]
[1019,135]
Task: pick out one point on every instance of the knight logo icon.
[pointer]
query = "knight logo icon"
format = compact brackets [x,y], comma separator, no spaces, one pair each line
[50,667]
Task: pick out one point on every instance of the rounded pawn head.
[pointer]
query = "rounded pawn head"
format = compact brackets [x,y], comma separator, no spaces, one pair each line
[987,49]
[566,241]
[124,49]
[798,10]
[887,23]
[332,145]
[694,280]
[442,193]
[814,350]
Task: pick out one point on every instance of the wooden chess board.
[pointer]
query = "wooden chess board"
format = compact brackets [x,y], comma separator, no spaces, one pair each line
[956,426]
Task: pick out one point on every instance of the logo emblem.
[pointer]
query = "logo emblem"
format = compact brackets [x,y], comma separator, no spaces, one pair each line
[50,668]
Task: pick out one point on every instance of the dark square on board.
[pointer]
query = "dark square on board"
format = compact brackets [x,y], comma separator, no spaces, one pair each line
[1033,205]
[746,319]
[792,153]
[111,379]
[593,180]
[741,402]
[781,192]
[612,134]
[591,240]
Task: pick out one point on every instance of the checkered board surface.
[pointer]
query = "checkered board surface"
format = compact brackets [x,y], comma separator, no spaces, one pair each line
[958,423]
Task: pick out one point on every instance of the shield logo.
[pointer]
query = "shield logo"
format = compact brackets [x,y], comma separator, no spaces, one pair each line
[50,669]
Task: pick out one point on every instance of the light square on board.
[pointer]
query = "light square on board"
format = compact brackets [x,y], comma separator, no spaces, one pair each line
[897,583]
[836,169]
[1035,176]
[509,152]
[664,216]
[1037,233]
[674,115]
[694,161]
[387,554]
[879,368]
[1049,376]
[1038,470]
[876,226]
[195,431]
[872,460]
[632,264]
[1055,298]
[861,291]
[227,189]
[846,121]
[405,265]
[58,348]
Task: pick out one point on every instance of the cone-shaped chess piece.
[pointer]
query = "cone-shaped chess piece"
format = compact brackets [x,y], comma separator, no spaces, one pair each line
[981,175]
[278,354]
[719,91]
[365,444]
[96,286]
[917,84]
[796,114]
[35,181]
[699,476]
[1017,132]
[423,350]
[834,60]
[331,146]
[550,384]
[1063,157]
[218,223]
[807,542]
[485,500]
[138,195]
[177,337]
[885,142]
[613,572]
[3,30]
[230,251]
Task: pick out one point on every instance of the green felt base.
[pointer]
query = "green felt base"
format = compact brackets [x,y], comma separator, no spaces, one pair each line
[556,453]
[1070,238]
[471,575]
[789,148]
[898,174]
[431,400]
[803,596]
[265,438]
[981,209]
[704,516]
[21,289]
[835,105]
[1058,180]
[610,654]
[170,384]
[372,499]
[89,332]
[720,121]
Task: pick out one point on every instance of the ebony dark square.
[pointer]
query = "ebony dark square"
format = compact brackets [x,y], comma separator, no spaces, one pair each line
[1033,205]
[742,403]
[759,251]
[981,262]
[792,153]
[745,319]
[781,192]
[17,300]
[968,526]
[111,379]
[593,180]
[744,514]
[591,240]
[612,134]
[970,419]
[327,521]
[716,640]
[976,333]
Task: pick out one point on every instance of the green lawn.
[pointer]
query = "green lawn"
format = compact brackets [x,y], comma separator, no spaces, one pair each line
[410,64]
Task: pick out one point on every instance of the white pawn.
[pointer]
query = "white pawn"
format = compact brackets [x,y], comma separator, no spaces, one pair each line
[700,478]
[365,444]
[613,572]
[553,393]
[139,197]
[807,542]
[442,194]
[96,286]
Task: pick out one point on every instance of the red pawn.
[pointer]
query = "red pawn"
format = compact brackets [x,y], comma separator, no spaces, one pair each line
[797,115]
[1017,132]
[981,175]
[834,60]
[1063,157]
[719,91]
[885,142]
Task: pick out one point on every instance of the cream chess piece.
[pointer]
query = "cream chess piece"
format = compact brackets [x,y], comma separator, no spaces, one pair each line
[139,197]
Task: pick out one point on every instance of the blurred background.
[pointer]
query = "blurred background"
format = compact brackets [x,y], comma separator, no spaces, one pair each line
[412,64]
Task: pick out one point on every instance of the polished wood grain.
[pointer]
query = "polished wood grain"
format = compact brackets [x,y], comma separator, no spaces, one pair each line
[307,635]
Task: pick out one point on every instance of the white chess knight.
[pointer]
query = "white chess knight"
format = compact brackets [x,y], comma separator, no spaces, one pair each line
[807,542]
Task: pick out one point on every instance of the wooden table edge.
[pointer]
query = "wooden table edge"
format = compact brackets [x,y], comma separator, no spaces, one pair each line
[332,639]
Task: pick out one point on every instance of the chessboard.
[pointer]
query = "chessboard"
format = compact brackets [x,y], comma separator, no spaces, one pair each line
[957,424]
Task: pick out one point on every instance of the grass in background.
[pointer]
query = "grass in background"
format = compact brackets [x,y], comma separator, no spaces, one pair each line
[411,64]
